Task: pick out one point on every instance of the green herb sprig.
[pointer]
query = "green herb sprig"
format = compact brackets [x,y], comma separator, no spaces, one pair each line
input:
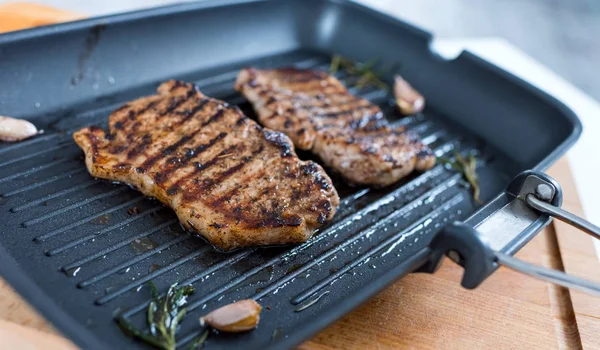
[362,73]
[163,318]
[468,168]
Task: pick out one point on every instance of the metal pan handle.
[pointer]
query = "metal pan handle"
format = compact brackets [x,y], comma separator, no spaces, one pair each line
[488,239]
[538,202]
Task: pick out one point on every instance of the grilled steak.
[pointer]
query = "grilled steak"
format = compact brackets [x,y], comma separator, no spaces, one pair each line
[226,177]
[348,133]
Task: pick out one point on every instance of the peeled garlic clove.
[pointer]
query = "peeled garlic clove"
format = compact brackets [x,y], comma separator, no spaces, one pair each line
[409,100]
[240,316]
[12,129]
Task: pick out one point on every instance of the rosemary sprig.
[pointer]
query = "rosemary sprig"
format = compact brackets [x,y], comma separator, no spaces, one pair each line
[363,74]
[163,317]
[468,168]
[336,62]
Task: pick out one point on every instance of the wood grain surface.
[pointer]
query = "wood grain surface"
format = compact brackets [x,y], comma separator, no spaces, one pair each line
[507,311]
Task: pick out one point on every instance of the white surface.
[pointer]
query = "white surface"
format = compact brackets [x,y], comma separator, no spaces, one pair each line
[583,157]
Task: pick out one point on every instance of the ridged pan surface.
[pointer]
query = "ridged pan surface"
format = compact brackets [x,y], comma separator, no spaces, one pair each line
[94,246]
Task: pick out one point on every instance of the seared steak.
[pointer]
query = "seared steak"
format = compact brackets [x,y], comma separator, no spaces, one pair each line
[226,177]
[348,133]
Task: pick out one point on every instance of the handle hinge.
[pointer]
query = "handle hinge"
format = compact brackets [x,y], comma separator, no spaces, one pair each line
[484,242]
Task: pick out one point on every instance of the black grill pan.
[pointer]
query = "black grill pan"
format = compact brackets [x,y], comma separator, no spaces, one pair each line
[76,248]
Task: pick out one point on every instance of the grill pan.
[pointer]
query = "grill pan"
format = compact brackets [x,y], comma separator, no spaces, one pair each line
[81,250]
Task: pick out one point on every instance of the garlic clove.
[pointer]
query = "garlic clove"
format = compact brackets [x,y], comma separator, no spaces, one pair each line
[240,316]
[409,100]
[12,129]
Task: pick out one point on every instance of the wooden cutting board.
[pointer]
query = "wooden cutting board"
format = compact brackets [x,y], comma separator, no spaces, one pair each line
[421,311]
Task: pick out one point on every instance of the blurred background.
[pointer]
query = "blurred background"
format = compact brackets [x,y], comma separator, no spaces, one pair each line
[564,35]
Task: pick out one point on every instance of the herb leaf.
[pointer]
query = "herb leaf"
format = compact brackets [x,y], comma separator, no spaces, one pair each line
[362,74]
[130,329]
[335,64]
[163,317]
[197,343]
[468,168]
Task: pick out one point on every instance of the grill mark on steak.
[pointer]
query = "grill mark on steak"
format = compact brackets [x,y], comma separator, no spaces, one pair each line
[118,149]
[214,117]
[207,145]
[192,112]
[175,103]
[182,141]
[133,114]
[208,184]
[201,167]
[189,113]
[146,108]
[301,100]
[140,147]
[227,195]
[219,178]
[311,104]
[275,218]
[93,139]
[184,161]
[348,111]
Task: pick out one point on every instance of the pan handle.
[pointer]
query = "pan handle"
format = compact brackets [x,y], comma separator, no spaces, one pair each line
[490,237]
[540,205]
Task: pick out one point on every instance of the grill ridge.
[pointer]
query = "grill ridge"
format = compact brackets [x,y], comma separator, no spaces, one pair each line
[67,208]
[229,261]
[116,246]
[29,142]
[34,170]
[61,193]
[379,247]
[76,242]
[43,183]
[105,299]
[34,154]
[60,230]
[131,262]
[429,139]
[422,127]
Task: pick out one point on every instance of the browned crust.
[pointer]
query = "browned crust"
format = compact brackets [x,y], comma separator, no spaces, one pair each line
[227,178]
[348,133]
